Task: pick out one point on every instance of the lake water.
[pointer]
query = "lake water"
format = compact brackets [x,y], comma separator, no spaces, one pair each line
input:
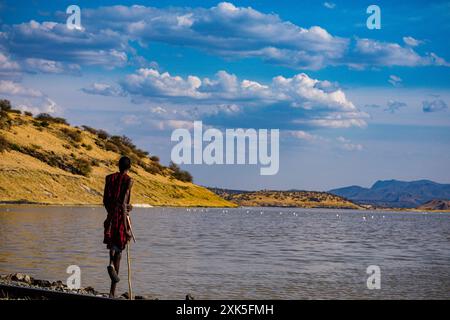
[246,253]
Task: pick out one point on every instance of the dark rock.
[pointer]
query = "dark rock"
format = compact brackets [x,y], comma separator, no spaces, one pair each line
[58,284]
[189,297]
[41,283]
[145,297]
[21,277]
[91,290]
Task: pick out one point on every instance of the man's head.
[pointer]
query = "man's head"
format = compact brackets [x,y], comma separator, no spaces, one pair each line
[124,164]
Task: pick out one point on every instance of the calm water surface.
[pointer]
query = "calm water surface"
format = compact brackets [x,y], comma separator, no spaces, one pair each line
[246,253]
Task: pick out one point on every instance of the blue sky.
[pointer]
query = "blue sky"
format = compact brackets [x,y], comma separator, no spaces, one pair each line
[353,105]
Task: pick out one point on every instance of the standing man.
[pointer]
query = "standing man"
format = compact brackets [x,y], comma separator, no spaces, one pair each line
[116,199]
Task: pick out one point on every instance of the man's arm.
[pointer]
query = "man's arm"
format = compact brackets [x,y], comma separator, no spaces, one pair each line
[105,190]
[126,200]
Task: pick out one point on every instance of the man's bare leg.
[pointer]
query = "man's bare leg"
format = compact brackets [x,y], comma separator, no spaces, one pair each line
[111,257]
[114,257]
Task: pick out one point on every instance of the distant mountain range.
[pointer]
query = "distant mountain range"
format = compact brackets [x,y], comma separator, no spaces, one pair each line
[394,193]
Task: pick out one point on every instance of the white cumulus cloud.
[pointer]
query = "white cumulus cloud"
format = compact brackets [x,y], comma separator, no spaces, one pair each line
[104,89]
[27,99]
[434,105]
[347,145]
[224,30]
[410,41]
[311,101]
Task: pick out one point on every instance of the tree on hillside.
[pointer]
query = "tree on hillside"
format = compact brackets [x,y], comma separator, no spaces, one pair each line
[5,105]
[179,174]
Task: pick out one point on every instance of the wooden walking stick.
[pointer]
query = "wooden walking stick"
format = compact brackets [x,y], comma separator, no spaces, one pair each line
[130,289]
[131,229]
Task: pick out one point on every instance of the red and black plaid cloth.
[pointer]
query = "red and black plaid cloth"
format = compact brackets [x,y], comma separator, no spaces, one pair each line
[116,186]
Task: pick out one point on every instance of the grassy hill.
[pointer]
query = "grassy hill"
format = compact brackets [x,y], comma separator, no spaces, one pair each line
[45,160]
[436,205]
[300,199]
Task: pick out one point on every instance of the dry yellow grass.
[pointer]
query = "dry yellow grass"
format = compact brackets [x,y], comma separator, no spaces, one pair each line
[24,178]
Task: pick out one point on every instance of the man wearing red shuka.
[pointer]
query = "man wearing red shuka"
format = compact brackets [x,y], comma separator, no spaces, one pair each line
[116,199]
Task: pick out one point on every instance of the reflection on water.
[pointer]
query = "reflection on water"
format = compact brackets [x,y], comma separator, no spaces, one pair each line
[254,253]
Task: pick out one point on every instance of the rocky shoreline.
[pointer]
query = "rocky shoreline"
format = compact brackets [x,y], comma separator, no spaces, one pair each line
[25,281]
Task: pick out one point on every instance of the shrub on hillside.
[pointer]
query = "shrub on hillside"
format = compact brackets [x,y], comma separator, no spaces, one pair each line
[179,174]
[134,159]
[82,166]
[74,135]
[28,113]
[5,120]
[90,129]
[100,144]
[126,146]
[122,144]
[125,141]
[102,134]
[88,147]
[48,118]
[41,124]
[153,168]
[154,158]
[35,146]
[109,146]
[73,165]
[141,153]
[4,144]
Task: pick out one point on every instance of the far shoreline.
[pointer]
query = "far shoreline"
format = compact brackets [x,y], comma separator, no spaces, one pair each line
[147,206]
